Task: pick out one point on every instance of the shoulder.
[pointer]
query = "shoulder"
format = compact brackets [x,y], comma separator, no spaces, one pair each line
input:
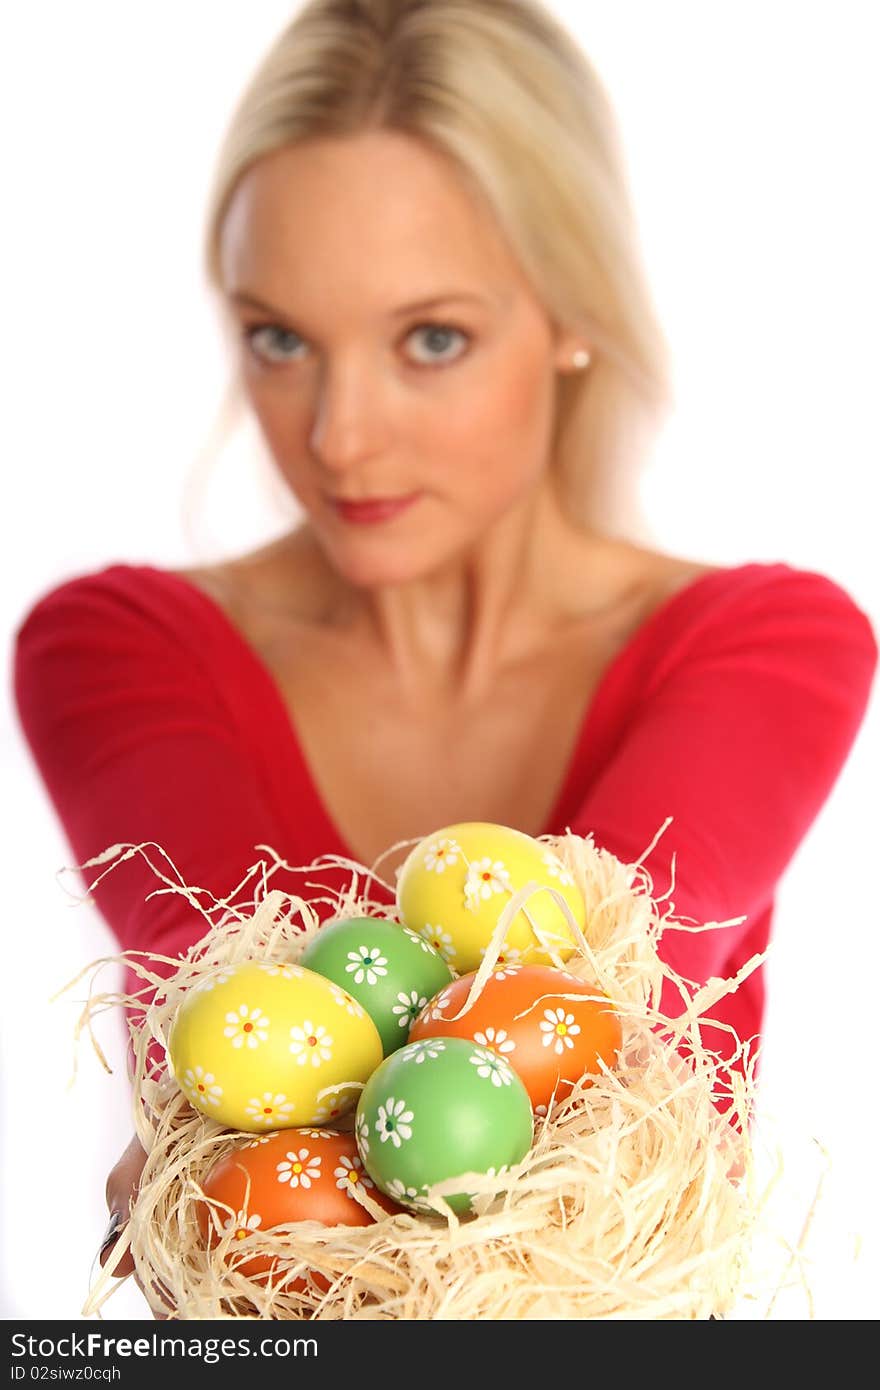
[763,591]
[766,618]
[122,618]
[104,592]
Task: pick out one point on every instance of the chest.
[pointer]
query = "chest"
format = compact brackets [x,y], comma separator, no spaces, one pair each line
[389,770]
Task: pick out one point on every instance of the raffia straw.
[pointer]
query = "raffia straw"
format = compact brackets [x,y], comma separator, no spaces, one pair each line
[638,1198]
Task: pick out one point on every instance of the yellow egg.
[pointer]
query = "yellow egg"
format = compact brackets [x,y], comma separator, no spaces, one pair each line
[266,1045]
[454,885]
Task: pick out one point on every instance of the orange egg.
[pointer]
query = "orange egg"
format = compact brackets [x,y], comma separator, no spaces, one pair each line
[522,1014]
[294,1175]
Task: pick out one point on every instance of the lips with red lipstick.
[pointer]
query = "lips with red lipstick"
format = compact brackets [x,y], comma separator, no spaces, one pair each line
[372,509]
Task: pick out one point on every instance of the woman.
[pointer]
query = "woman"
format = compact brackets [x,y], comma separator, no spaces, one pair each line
[423,249]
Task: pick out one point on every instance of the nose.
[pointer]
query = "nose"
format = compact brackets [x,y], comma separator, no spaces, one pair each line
[351,418]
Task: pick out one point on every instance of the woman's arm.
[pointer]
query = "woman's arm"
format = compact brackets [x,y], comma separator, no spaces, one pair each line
[743,722]
[135,743]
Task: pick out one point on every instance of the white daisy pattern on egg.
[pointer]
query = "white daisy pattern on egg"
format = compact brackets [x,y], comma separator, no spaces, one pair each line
[556,869]
[507,969]
[408,1007]
[496,1039]
[350,1174]
[246,1027]
[408,1196]
[345,1001]
[311,1043]
[492,1067]
[485,878]
[434,935]
[285,969]
[441,1002]
[366,963]
[201,1086]
[242,1224]
[210,981]
[319,1133]
[299,1168]
[398,1189]
[268,1109]
[441,853]
[255,1143]
[425,1047]
[329,1110]
[509,959]
[559,1030]
[419,940]
[362,1134]
[394,1122]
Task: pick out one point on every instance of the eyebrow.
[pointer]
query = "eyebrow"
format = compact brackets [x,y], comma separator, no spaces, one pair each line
[416,306]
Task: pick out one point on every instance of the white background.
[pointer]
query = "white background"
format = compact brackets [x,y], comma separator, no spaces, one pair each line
[751,137]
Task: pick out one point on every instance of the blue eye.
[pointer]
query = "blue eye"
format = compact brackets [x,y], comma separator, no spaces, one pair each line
[288,339]
[436,336]
[442,343]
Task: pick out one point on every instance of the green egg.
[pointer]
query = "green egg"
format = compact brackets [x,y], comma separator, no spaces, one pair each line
[436,1109]
[391,971]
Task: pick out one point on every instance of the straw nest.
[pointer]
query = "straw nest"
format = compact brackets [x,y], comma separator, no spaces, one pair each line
[638,1198]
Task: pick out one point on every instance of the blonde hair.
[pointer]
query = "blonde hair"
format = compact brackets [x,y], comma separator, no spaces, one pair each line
[500,88]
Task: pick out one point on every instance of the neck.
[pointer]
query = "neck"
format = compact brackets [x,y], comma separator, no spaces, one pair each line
[446,635]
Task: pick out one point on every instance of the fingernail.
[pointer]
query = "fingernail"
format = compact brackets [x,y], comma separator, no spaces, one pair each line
[111,1232]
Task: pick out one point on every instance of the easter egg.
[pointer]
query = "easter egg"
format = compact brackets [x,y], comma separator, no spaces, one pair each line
[526,1015]
[289,1175]
[438,1109]
[389,969]
[455,883]
[263,1045]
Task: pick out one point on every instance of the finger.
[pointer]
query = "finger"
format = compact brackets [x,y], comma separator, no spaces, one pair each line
[121,1189]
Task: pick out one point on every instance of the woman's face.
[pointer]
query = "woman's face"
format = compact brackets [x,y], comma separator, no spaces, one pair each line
[391,348]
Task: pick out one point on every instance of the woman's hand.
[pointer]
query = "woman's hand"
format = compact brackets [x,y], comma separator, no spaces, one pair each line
[121,1191]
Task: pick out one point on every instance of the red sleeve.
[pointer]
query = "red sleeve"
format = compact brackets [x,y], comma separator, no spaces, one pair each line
[745,719]
[135,742]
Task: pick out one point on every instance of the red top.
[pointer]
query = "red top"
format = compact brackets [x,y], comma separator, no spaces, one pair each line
[732,709]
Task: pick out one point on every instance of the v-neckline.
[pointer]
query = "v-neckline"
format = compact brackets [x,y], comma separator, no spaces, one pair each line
[327,832]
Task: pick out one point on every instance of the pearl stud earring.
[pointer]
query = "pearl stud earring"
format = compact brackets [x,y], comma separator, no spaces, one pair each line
[580,358]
